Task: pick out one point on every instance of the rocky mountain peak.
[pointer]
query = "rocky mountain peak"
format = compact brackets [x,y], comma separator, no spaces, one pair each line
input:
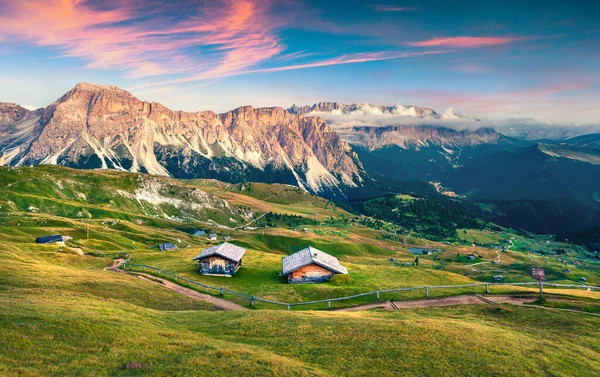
[96,126]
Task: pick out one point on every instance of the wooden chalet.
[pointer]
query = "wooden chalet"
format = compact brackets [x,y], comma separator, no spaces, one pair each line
[311,265]
[220,260]
[212,237]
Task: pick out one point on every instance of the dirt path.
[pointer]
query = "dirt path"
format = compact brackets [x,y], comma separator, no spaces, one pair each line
[387,305]
[219,303]
[443,301]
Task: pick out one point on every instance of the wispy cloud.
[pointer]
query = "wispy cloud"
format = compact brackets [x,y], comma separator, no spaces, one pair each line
[391,8]
[344,59]
[464,42]
[145,39]
[148,38]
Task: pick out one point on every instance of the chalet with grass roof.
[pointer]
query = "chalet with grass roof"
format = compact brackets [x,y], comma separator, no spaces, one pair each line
[220,260]
[311,265]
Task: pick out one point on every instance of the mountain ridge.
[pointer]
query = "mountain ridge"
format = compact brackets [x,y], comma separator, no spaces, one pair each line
[95,126]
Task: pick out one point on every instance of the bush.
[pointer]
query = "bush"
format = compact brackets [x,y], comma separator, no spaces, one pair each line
[341,279]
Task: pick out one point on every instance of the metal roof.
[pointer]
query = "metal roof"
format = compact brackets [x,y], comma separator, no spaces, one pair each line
[309,256]
[226,250]
[50,239]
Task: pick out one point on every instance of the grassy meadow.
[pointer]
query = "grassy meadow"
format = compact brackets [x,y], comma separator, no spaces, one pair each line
[62,314]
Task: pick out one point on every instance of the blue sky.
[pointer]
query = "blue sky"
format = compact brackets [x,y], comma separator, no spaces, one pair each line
[488,59]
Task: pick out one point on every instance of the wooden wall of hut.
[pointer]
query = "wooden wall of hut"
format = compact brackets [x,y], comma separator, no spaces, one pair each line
[312,273]
[216,265]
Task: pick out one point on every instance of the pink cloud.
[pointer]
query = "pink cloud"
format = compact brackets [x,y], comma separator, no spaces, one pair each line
[464,42]
[149,38]
[232,35]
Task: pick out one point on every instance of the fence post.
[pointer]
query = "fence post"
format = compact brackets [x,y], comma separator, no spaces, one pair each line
[221,291]
[288,306]
[329,304]
[377,295]
[427,292]
[252,301]
[487,288]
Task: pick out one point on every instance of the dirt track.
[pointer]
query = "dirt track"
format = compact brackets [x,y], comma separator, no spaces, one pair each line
[223,304]
[444,301]
[219,303]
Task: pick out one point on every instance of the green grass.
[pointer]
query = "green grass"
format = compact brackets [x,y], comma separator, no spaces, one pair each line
[61,314]
[64,335]
[480,237]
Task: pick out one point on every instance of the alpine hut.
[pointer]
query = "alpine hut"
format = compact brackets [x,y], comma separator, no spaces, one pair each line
[50,239]
[167,246]
[311,265]
[220,260]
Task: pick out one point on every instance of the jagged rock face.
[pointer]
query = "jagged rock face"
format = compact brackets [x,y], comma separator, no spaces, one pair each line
[353,123]
[415,137]
[95,126]
[12,114]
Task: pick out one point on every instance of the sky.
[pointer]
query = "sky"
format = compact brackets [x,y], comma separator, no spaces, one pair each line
[489,59]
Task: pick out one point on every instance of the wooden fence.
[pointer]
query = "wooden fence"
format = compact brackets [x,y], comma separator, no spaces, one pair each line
[375,294]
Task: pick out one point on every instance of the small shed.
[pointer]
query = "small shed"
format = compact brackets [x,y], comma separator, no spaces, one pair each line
[199,233]
[50,239]
[167,246]
[227,238]
[220,260]
[471,257]
[582,279]
[311,265]
[498,277]
[212,237]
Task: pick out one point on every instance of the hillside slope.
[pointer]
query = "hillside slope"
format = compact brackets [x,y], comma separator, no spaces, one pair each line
[105,194]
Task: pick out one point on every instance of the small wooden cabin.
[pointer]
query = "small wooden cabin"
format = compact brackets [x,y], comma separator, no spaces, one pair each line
[311,265]
[220,260]
[167,246]
[212,237]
